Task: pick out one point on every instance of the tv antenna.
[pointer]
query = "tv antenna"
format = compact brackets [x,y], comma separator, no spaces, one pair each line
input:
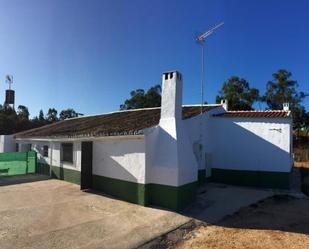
[9,80]
[201,40]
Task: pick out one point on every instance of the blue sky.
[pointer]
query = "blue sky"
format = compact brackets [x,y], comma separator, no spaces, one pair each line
[89,55]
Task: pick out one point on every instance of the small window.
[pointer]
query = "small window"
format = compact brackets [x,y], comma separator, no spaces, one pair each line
[45,151]
[67,152]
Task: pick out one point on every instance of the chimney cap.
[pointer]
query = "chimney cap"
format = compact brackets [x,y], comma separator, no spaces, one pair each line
[171,71]
[170,74]
[286,106]
[224,103]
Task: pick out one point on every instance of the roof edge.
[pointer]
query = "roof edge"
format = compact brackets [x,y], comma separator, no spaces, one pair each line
[138,109]
[225,114]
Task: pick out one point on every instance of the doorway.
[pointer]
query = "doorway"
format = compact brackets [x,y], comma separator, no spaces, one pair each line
[86,166]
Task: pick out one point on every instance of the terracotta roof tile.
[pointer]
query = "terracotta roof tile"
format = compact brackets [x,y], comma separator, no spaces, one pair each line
[254,114]
[112,124]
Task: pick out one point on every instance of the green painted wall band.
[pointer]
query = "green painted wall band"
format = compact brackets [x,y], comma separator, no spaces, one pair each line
[201,176]
[175,198]
[60,173]
[65,174]
[264,179]
[125,190]
[42,169]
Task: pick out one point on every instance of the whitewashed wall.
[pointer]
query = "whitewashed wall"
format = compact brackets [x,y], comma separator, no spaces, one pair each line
[161,161]
[261,144]
[7,143]
[54,153]
[162,153]
[122,159]
[201,143]
[169,155]
[227,143]
[170,158]
[195,126]
[38,147]
[56,156]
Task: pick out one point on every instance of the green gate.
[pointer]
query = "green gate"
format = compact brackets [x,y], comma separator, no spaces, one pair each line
[17,163]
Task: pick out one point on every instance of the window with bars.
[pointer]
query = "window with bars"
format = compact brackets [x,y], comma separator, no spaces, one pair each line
[67,152]
[45,151]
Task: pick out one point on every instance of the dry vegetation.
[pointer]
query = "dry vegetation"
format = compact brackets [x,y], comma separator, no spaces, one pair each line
[301,165]
[278,222]
[229,238]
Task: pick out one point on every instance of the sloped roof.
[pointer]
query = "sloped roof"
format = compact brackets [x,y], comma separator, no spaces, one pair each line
[254,114]
[131,122]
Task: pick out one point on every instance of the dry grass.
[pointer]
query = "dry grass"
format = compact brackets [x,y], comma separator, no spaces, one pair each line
[301,165]
[229,238]
[279,222]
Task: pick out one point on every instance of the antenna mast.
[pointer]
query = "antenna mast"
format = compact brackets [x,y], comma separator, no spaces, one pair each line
[201,41]
[9,80]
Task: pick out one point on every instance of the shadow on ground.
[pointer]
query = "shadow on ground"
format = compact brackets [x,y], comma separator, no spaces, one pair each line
[271,212]
[305,180]
[280,212]
[246,208]
[12,180]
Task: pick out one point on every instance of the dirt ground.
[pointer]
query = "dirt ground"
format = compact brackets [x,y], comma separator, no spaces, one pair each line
[56,214]
[276,222]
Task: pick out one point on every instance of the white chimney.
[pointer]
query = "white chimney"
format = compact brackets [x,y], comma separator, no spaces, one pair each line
[286,106]
[171,162]
[224,104]
[171,105]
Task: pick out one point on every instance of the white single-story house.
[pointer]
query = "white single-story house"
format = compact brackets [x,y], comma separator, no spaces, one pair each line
[158,156]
